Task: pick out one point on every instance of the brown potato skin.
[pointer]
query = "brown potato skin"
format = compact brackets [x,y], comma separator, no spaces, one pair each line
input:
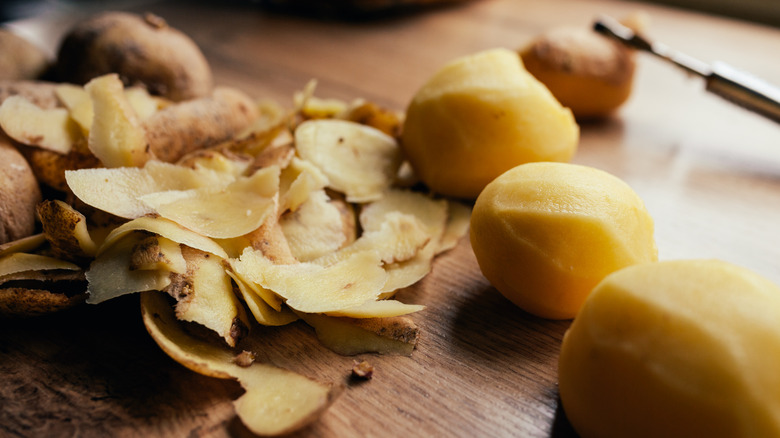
[21,59]
[586,72]
[142,50]
[19,194]
[188,126]
[41,93]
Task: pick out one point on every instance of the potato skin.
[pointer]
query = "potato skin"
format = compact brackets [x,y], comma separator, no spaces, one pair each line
[142,50]
[41,93]
[19,194]
[187,126]
[20,59]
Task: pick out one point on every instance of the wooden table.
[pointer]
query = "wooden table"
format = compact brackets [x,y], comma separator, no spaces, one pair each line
[709,173]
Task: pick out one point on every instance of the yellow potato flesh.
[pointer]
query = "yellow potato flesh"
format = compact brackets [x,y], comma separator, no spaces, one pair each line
[545,234]
[478,117]
[675,349]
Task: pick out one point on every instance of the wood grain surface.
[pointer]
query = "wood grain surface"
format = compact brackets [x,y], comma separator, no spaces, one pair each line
[709,173]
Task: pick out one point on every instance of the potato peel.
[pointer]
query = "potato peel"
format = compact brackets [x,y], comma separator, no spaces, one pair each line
[359,161]
[51,129]
[348,336]
[276,401]
[308,287]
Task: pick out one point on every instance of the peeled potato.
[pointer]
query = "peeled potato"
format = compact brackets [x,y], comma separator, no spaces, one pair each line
[479,116]
[683,348]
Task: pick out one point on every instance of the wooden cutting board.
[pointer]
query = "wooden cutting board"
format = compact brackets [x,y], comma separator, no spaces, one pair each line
[708,172]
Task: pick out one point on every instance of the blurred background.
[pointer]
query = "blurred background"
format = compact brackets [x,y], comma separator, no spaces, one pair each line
[761,11]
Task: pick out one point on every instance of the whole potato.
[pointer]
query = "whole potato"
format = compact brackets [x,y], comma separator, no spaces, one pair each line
[142,50]
[19,194]
[19,58]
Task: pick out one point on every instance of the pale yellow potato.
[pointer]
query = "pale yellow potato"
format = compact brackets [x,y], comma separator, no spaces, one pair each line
[479,116]
[276,401]
[51,129]
[359,161]
[678,348]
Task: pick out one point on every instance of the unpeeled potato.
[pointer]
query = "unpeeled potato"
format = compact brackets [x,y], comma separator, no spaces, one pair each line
[141,50]
[587,72]
[19,58]
[19,194]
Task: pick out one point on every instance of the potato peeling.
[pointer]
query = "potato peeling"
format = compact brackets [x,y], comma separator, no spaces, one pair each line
[227,214]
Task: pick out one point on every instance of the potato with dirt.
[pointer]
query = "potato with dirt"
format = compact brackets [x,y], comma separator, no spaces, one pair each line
[141,49]
[20,58]
[19,194]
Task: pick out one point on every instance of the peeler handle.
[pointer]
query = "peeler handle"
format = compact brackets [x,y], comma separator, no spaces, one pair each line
[744,90]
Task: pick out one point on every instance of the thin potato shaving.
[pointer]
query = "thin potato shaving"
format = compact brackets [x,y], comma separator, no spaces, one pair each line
[276,401]
[118,191]
[110,275]
[359,161]
[165,228]
[312,288]
[236,209]
[51,129]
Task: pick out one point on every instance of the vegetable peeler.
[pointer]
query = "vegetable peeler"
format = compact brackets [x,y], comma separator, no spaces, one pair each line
[721,79]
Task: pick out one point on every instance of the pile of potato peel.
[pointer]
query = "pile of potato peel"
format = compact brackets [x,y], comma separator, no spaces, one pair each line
[224,212]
